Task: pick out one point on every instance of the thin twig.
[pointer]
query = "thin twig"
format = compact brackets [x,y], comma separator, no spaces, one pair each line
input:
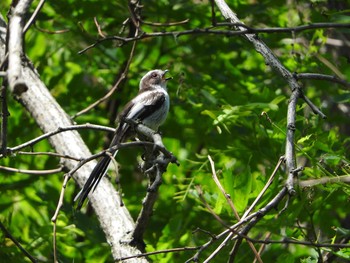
[325,180]
[229,201]
[113,89]
[54,218]
[14,240]
[59,130]
[286,240]
[218,184]
[267,185]
[285,29]
[171,250]
[49,154]
[165,24]
[34,15]
[262,247]
[312,106]
[99,28]
[217,250]
[251,219]
[37,172]
[46,31]
[210,30]
[216,216]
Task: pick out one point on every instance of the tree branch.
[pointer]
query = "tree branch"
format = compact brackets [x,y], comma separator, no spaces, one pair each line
[15,241]
[115,220]
[155,164]
[58,131]
[37,172]
[210,31]
[317,76]
[233,208]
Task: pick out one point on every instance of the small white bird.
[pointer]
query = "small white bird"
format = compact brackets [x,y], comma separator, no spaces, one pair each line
[150,107]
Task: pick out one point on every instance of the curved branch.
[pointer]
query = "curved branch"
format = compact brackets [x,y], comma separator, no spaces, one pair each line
[317,76]
[37,172]
[57,131]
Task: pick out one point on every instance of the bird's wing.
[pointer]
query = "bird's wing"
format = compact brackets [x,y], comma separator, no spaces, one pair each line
[139,108]
[145,104]
[151,104]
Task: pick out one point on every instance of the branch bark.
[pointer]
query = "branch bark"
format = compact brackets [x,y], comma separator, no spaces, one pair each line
[26,86]
[272,61]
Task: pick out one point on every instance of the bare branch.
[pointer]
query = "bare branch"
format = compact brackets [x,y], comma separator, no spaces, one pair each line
[213,17]
[267,185]
[115,87]
[15,241]
[57,131]
[317,76]
[34,15]
[171,250]
[54,218]
[217,182]
[165,24]
[61,31]
[117,222]
[99,28]
[49,154]
[229,201]
[210,31]
[37,172]
[312,106]
[289,152]
[217,217]
[285,29]
[155,164]
[325,180]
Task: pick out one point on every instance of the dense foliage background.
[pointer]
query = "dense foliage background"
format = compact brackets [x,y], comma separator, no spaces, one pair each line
[220,88]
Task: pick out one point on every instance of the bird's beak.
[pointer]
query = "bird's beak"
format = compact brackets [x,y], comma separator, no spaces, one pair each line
[164,73]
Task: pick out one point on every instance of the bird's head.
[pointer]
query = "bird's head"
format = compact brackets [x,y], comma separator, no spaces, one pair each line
[154,79]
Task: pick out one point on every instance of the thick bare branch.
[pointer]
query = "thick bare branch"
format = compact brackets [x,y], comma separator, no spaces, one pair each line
[115,220]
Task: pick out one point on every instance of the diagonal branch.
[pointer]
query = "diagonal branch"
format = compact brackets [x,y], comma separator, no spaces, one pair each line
[271,60]
[15,241]
[230,202]
[26,85]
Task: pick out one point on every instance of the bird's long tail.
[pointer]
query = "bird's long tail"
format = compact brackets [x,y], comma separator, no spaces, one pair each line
[95,177]
[102,166]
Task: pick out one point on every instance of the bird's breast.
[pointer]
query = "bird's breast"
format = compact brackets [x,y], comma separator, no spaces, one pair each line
[158,117]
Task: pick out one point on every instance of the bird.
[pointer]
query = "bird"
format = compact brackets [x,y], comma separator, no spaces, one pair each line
[150,107]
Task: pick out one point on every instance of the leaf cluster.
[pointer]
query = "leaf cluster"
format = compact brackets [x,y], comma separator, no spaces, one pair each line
[220,89]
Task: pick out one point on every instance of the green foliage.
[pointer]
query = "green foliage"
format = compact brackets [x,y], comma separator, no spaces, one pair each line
[221,87]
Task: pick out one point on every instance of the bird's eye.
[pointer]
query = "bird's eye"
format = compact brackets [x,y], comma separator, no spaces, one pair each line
[154,75]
